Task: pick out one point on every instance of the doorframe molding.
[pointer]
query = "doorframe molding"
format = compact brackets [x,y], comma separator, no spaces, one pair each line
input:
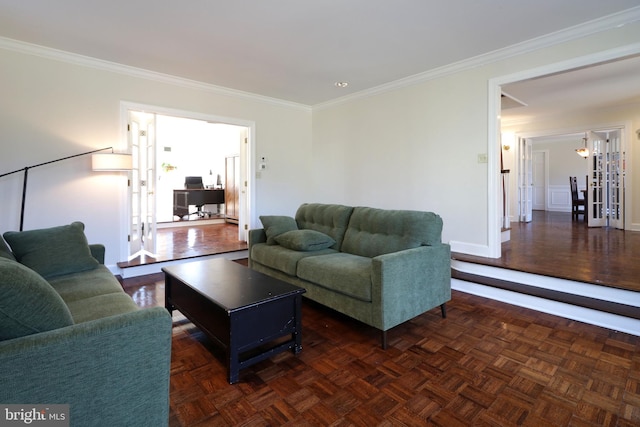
[494,88]
[125,106]
[627,145]
[546,176]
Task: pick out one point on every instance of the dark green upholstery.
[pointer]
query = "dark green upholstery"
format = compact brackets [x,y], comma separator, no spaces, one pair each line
[374,232]
[76,337]
[5,252]
[281,258]
[28,304]
[53,251]
[305,240]
[331,220]
[274,225]
[386,267]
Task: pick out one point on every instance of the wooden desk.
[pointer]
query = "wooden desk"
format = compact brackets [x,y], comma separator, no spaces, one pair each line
[184,198]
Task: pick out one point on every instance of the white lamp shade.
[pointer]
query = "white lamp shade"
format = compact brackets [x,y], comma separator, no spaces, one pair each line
[111,162]
[583,152]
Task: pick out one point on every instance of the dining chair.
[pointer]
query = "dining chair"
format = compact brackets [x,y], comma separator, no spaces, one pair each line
[576,201]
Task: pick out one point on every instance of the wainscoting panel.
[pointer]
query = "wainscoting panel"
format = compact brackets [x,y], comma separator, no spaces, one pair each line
[559,198]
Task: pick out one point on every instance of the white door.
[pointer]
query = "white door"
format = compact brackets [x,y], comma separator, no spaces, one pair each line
[605,192]
[616,179]
[243,228]
[142,227]
[539,180]
[525,180]
[597,180]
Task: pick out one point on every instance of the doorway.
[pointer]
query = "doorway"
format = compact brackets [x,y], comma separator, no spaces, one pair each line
[546,161]
[496,120]
[169,145]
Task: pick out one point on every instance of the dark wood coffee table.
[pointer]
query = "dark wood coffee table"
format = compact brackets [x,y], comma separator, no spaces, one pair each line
[244,311]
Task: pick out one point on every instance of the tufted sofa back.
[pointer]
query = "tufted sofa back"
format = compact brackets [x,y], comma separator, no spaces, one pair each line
[331,220]
[372,232]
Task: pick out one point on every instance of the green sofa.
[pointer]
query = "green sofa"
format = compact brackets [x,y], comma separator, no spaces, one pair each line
[381,267]
[69,334]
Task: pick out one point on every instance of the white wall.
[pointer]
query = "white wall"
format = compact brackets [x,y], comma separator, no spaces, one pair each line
[193,148]
[563,162]
[412,147]
[417,147]
[51,109]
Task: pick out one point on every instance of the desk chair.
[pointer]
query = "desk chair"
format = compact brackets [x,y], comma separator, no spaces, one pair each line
[195,183]
[576,201]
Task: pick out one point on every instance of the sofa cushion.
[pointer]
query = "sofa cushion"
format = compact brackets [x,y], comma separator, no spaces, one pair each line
[101,306]
[86,284]
[28,304]
[331,220]
[274,225]
[374,232]
[305,240]
[53,251]
[5,252]
[281,258]
[341,272]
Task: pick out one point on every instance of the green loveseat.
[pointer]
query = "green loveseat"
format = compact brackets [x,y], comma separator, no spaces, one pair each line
[381,267]
[69,334]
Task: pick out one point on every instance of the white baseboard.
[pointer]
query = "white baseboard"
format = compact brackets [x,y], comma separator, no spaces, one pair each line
[469,248]
[569,311]
[619,296]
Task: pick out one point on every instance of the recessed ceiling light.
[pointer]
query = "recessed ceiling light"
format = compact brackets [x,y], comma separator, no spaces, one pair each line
[342,84]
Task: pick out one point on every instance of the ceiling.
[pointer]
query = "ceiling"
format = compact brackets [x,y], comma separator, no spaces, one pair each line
[602,86]
[296,50]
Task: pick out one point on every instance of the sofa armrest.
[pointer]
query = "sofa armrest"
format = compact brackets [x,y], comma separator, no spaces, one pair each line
[112,371]
[410,282]
[256,235]
[97,251]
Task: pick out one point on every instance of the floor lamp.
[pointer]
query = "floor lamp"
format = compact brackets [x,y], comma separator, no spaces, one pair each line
[100,162]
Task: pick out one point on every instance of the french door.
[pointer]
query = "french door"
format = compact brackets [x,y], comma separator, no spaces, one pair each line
[605,179]
[525,180]
[142,226]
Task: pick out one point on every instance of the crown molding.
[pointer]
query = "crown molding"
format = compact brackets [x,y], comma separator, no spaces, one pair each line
[90,62]
[582,30]
[608,22]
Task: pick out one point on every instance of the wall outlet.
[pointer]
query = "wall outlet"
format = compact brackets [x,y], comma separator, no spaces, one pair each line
[482,158]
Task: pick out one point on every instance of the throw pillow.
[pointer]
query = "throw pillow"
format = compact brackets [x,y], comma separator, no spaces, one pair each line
[274,225]
[53,251]
[28,304]
[305,240]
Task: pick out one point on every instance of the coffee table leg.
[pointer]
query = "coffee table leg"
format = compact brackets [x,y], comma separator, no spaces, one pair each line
[167,293]
[297,348]
[232,354]
[232,367]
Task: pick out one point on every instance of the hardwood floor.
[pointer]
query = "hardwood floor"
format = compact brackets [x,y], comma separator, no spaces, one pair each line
[554,245]
[486,364]
[190,242]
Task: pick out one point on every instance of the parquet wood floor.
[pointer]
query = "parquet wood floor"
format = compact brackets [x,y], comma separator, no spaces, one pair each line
[191,242]
[486,364]
[554,245]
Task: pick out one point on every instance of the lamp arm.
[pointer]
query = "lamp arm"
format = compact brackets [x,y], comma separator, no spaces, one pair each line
[53,161]
[26,173]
